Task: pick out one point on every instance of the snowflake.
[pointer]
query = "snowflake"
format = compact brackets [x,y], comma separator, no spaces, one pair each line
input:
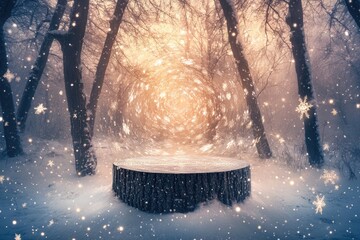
[303,107]
[51,222]
[9,75]
[319,204]
[326,147]
[51,163]
[329,177]
[2,178]
[17,237]
[334,112]
[126,129]
[40,109]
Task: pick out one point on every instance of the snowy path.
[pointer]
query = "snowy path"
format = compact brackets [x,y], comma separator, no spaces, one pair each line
[40,201]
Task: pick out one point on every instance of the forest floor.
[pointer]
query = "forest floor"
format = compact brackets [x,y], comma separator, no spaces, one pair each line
[42,198]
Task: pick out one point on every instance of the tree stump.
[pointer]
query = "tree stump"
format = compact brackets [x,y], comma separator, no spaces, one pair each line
[163,184]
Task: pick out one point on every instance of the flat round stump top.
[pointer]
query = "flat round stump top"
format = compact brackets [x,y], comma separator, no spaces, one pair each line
[181,164]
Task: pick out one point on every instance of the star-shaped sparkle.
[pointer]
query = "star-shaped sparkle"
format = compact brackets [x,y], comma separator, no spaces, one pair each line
[51,163]
[40,109]
[319,204]
[334,112]
[51,222]
[9,75]
[303,107]
[17,237]
[326,147]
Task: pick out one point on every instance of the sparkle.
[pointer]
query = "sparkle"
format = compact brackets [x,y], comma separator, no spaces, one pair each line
[303,107]
[237,209]
[326,147]
[40,109]
[9,75]
[126,129]
[329,177]
[2,178]
[51,163]
[334,112]
[17,237]
[51,222]
[120,228]
[319,204]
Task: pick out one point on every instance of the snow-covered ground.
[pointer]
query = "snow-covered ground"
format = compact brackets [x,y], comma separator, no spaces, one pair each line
[41,197]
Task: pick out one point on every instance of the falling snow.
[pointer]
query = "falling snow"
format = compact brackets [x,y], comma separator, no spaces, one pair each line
[172,88]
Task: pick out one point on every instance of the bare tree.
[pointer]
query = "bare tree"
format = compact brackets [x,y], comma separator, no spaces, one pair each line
[104,61]
[39,65]
[305,88]
[71,44]
[262,144]
[13,144]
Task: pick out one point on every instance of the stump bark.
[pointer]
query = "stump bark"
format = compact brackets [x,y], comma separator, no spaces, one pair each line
[164,184]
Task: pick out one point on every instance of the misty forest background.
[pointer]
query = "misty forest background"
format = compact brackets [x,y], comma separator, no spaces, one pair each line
[111,52]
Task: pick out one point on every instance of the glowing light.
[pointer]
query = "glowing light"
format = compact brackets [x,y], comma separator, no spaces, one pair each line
[334,112]
[120,228]
[237,209]
[2,178]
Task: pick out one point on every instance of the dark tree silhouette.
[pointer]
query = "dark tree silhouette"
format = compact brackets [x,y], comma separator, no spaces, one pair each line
[39,65]
[71,44]
[305,88]
[262,144]
[13,145]
[104,61]
[353,7]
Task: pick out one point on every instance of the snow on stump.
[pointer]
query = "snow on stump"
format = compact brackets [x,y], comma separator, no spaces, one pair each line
[163,184]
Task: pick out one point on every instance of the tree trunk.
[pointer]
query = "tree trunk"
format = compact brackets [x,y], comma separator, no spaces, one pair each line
[168,184]
[353,7]
[305,88]
[13,144]
[104,61]
[71,45]
[262,144]
[38,69]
